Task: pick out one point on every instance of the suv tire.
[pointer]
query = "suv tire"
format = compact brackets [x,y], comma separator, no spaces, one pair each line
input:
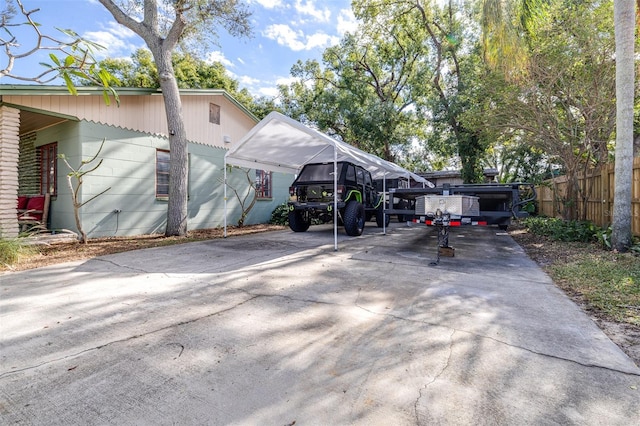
[354,218]
[299,221]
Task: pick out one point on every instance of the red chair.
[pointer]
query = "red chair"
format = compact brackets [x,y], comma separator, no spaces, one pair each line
[33,210]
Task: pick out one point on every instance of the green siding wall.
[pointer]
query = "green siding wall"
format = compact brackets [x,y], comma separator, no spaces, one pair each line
[128,170]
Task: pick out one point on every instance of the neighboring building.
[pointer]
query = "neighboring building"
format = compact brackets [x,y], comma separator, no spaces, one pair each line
[454,177]
[39,123]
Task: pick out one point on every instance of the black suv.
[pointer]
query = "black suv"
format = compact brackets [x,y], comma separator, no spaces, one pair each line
[311,197]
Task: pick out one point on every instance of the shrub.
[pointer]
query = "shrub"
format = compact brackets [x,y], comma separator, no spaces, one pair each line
[280,215]
[565,230]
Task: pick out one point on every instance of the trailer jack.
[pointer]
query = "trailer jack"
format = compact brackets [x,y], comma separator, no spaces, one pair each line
[442,222]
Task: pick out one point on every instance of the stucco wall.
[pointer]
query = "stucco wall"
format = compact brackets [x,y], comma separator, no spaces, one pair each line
[128,169]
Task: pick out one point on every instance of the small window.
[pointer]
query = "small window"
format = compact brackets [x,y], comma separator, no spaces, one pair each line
[48,155]
[360,176]
[263,184]
[214,113]
[351,173]
[163,159]
[367,179]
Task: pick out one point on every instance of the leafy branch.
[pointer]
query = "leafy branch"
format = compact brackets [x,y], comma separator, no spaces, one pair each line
[72,58]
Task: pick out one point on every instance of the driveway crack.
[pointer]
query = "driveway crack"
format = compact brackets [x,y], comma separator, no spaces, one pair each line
[547,355]
[129,338]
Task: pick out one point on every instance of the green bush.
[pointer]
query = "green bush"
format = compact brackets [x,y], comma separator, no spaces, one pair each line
[565,230]
[573,230]
[280,215]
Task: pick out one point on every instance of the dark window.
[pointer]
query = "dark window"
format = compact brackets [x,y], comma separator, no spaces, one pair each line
[162,173]
[351,173]
[214,113]
[360,176]
[48,155]
[367,179]
[317,172]
[263,184]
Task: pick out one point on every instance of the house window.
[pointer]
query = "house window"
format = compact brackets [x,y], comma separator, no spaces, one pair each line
[162,173]
[214,113]
[48,155]
[163,167]
[263,184]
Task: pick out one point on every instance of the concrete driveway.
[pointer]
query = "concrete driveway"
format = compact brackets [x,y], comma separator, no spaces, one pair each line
[278,328]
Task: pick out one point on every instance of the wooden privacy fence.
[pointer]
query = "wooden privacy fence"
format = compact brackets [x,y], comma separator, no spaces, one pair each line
[599,204]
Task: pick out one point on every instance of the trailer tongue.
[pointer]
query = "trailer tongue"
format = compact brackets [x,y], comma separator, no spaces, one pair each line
[461,205]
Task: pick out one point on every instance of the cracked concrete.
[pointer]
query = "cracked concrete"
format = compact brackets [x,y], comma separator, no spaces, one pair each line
[224,332]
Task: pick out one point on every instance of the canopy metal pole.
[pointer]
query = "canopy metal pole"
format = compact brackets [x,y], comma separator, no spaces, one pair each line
[225,198]
[335,198]
[384,203]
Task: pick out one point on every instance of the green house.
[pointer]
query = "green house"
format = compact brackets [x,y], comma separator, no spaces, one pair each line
[38,124]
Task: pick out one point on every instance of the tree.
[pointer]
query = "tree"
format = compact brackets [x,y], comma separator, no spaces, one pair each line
[363,95]
[78,175]
[246,200]
[448,59]
[191,73]
[70,59]
[624,21]
[507,26]
[187,21]
[565,106]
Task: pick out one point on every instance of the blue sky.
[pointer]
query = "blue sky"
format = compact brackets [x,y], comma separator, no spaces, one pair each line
[283,32]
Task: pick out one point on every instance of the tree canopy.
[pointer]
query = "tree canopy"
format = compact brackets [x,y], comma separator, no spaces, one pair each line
[191,73]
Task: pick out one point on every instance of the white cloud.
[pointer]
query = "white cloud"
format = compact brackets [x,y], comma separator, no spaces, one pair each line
[297,40]
[321,40]
[116,40]
[247,80]
[286,80]
[217,56]
[346,22]
[270,92]
[309,8]
[285,36]
[269,4]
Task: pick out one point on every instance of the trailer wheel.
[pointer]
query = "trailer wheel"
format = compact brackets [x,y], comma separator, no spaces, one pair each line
[503,227]
[403,205]
[354,218]
[380,217]
[299,221]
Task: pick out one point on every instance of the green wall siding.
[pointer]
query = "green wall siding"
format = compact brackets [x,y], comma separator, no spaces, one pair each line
[128,169]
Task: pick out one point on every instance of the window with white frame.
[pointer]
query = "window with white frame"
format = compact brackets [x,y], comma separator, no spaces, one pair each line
[263,184]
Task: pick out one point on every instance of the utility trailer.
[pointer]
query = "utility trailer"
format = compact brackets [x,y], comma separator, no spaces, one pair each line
[459,205]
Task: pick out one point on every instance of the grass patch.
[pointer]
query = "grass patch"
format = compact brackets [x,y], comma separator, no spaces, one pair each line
[13,250]
[608,282]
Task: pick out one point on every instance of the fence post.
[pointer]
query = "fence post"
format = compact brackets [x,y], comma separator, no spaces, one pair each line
[605,219]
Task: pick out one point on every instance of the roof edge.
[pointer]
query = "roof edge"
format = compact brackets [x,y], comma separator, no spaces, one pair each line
[38,89]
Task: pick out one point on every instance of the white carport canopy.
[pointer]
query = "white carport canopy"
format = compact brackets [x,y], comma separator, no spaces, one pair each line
[281,144]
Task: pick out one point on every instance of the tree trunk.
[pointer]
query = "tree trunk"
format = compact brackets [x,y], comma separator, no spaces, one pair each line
[624,16]
[178,147]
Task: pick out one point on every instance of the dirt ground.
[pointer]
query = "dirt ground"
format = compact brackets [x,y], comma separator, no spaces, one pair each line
[543,251]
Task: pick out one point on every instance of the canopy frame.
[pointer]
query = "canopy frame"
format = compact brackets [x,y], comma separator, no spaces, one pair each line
[281,144]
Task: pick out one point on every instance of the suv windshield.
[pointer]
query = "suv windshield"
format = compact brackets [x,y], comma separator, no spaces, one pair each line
[317,172]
